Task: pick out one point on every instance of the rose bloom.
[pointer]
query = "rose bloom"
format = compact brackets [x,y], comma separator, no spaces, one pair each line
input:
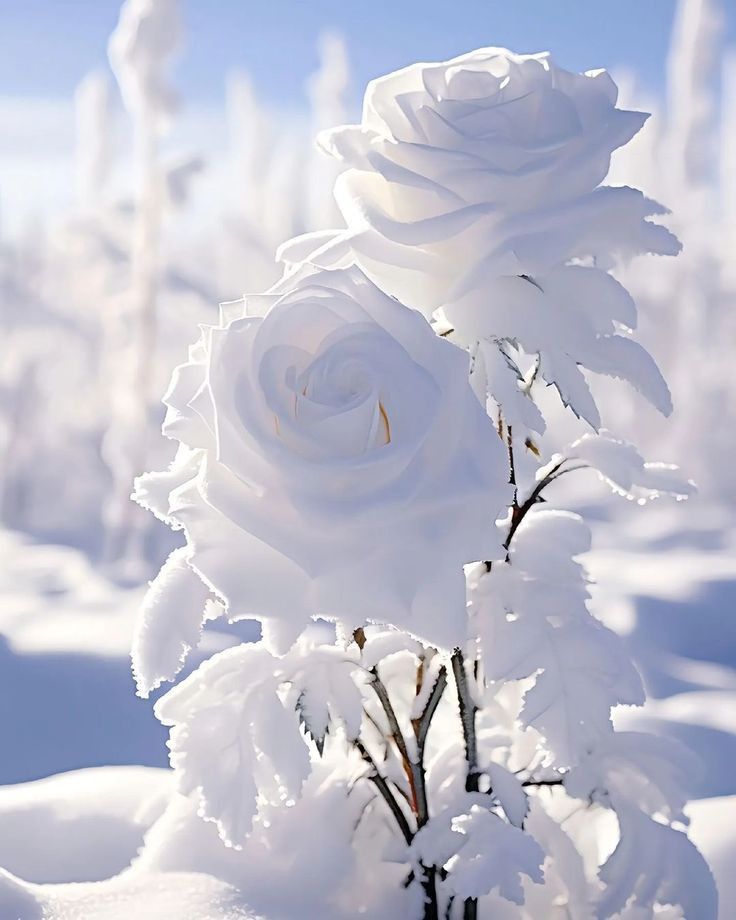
[489,160]
[335,462]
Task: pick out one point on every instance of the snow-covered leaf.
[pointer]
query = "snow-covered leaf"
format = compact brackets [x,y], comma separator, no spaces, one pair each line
[648,771]
[382,643]
[586,672]
[620,465]
[494,375]
[653,864]
[623,357]
[232,740]
[169,622]
[479,850]
[565,375]
[532,621]
[492,855]
[323,689]
[564,870]
[576,317]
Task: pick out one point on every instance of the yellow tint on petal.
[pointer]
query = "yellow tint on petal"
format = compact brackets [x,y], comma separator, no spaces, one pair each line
[386,425]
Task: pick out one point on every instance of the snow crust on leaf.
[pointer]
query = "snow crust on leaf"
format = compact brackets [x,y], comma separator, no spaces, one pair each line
[232,739]
[495,855]
[480,852]
[585,673]
[572,316]
[169,622]
[323,689]
[623,357]
[532,621]
[620,464]
[565,881]
[653,864]
[645,770]
[495,376]
[642,778]
[382,643]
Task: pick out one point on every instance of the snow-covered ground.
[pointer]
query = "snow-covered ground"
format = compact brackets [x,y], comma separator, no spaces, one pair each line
[666,578]
[186,896]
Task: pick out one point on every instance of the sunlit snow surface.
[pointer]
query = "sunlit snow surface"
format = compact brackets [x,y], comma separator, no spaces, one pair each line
[665,577]
[667,580]
[186,896]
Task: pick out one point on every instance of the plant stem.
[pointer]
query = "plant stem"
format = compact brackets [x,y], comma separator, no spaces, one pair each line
[519,512]
[431,904]
[421,725]
[512,462]
[398,737]
[382,786]
[414,769]
[421,728]
[536,783]
[468,710]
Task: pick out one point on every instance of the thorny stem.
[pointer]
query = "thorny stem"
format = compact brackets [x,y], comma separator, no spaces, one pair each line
[468,710]
[512,465]
[507,436]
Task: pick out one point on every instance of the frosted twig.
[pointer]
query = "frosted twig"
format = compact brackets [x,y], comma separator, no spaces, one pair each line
[468,710]
[381,784]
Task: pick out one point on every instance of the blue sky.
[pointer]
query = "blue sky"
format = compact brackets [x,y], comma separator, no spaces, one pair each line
[46,46]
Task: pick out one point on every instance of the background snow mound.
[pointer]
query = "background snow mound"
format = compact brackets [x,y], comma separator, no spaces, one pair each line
[186,896]
[82,826]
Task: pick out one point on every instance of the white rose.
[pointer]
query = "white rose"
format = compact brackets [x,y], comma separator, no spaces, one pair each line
[336,463]
[491,159]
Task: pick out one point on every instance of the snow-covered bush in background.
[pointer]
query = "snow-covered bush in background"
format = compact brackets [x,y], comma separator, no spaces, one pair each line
[685,156]
[85,299]
[403,741]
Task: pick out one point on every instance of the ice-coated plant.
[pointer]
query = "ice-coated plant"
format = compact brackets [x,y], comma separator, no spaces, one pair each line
[424,729]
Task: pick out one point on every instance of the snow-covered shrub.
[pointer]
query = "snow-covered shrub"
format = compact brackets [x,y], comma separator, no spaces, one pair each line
[447,742]
[98,306]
